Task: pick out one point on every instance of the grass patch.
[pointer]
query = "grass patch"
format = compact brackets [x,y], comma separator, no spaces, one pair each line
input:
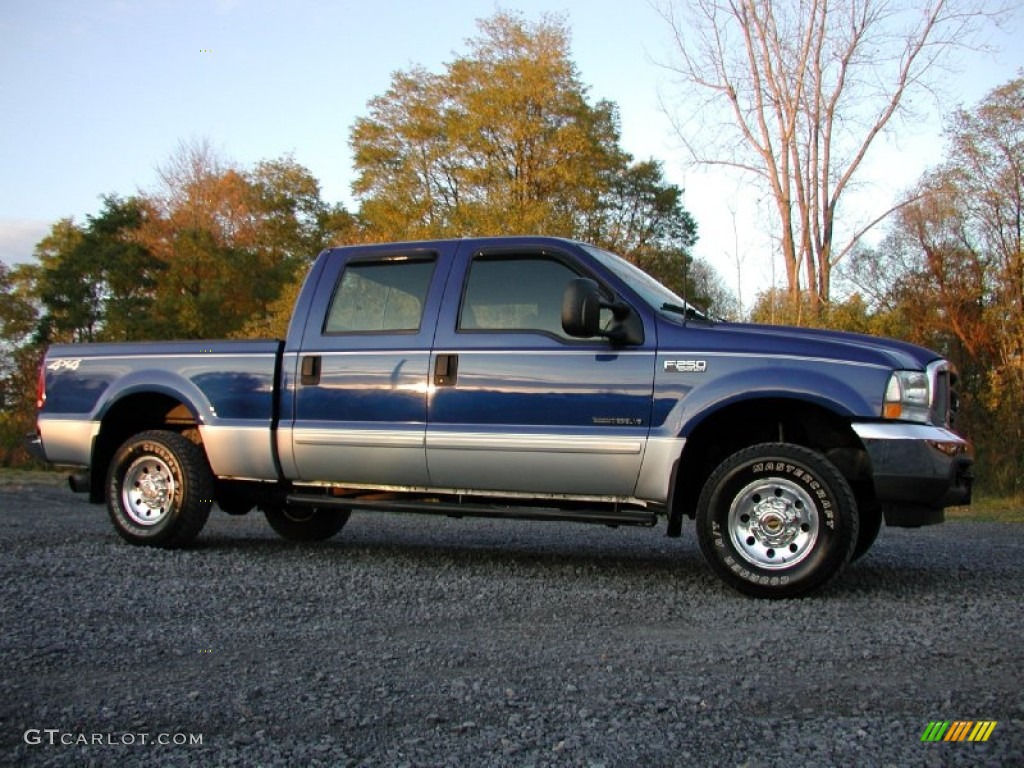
[990,508]
[17,477]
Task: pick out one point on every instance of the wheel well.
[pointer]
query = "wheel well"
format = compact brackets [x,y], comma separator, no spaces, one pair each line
[129,416]
[738,426]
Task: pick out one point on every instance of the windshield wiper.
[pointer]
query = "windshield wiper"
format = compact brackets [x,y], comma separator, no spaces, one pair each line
[686,312]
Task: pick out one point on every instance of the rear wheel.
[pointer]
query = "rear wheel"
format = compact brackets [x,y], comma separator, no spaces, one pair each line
[306,523]
[159,489]
[777,520]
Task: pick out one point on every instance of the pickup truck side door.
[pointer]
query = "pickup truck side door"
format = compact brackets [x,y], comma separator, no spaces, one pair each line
[516,404]
[360,379]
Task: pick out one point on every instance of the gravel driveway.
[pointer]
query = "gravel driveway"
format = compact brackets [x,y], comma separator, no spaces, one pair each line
[426,641]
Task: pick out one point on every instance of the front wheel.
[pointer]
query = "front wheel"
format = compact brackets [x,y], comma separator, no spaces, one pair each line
[159,489]
[306,523]
[870,522]
[777,520]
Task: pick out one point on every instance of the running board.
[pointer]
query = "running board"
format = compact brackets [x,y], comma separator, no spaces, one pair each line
[600,516]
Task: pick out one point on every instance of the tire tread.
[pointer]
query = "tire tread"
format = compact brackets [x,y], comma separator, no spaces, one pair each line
[197,490]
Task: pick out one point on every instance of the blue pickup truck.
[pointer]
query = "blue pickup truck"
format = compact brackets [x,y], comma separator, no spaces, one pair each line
[524,377]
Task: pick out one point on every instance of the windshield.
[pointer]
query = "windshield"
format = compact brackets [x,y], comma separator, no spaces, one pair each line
[649,289]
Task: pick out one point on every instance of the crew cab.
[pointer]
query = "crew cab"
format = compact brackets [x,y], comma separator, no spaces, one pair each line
[524,377]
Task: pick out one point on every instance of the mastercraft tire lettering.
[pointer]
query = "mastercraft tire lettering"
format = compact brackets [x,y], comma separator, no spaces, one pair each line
[159,489]
[777,520]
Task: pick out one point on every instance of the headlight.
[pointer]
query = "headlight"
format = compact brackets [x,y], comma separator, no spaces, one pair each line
[907,397]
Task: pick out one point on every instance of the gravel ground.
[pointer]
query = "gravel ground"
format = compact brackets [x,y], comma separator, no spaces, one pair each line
[426,641]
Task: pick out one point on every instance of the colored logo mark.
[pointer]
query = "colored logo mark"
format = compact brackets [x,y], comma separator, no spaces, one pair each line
[959,730]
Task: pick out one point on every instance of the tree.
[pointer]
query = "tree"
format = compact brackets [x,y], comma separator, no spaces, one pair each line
[504,141]
[198,232]
[642,218]
[19,358]
[803,91]
[295,223]
[17,315]
[125,268]
[17,321]
[95,282]
[232,239]
[952,272]
[69,289]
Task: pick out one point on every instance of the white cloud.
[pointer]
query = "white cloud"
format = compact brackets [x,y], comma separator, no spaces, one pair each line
[18,238]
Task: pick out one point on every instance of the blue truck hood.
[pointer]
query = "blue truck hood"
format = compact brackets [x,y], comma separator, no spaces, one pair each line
[786,340]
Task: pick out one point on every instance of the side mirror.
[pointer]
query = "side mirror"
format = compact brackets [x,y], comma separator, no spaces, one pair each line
[582,303]
[581,308]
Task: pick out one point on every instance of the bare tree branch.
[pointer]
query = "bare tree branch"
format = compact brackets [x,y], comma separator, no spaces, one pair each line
[802,91]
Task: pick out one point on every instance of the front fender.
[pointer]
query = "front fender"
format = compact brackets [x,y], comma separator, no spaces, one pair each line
[684,400]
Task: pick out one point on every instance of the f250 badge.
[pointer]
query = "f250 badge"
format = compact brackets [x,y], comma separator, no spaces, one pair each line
[686,366]
[64,364]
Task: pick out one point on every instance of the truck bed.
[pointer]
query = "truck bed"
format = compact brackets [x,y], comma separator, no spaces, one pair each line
[229,384]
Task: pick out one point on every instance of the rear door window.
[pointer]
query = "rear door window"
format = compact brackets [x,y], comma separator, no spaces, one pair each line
[385,296]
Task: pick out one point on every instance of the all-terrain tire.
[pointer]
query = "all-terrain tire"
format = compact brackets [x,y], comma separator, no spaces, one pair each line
[869,521]
[159,489]
[777,520]
[306,523]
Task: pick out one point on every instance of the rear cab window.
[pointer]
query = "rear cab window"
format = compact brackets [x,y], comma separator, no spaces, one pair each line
[384,295]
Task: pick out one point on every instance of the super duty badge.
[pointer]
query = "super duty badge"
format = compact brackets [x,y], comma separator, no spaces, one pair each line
[686,366]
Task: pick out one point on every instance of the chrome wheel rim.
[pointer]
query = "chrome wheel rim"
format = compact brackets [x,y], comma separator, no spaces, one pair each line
[773,523]
[148,491]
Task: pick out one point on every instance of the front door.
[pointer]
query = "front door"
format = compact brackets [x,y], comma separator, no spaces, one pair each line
[516,404]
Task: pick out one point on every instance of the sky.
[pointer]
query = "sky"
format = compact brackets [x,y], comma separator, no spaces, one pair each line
[95,94]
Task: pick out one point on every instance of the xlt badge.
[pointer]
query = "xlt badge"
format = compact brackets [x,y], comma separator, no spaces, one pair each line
[686,366]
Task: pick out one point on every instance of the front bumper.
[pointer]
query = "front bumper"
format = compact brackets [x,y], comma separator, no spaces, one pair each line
[918,470]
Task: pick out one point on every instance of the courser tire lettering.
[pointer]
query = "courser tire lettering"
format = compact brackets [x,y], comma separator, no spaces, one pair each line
[159,489]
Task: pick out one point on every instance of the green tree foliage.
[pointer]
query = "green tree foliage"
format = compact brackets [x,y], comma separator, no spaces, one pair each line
[95,282]
[208,254]
[127,271]
[69,289]
[505,141]
[19,358]
[17,315]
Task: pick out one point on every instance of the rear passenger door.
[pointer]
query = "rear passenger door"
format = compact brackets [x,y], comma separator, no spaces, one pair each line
[518,405]
[361,378]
